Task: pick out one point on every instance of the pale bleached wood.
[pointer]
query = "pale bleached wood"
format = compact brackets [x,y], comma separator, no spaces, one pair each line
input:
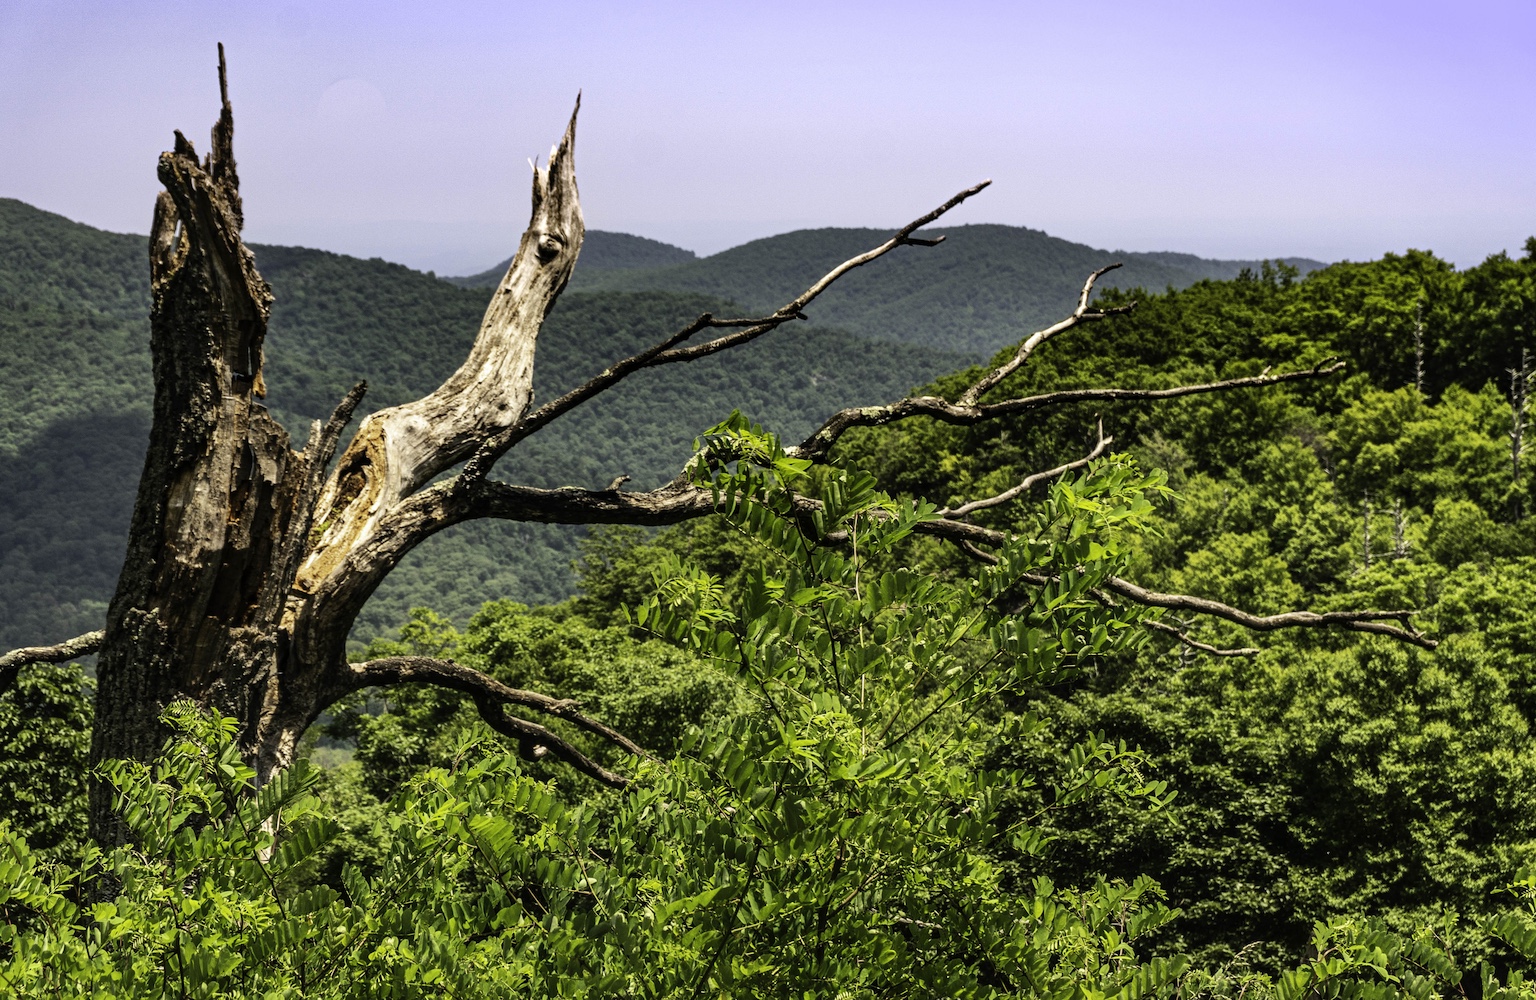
[398,450]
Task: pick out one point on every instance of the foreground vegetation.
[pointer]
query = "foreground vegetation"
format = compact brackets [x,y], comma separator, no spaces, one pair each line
[883,770]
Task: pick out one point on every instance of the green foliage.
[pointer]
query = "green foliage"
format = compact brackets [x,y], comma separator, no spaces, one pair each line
[951,759]
[837,836]
[1333,777]
[204,903]
[45,738]
[914,787]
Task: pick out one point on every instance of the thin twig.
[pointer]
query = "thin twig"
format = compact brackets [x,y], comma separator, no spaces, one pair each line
[1184,638]
[818,445]
[1029,481]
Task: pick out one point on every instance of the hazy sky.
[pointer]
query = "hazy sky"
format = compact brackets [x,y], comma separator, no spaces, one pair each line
[1234,129]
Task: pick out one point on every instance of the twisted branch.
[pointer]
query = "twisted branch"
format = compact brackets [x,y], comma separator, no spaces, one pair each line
[491,696]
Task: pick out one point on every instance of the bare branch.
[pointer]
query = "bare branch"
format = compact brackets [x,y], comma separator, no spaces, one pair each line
[819,445]
[1028,482]
[668,351]
[1079,315]
[323,440]
[902,237]
[534,741]
[491,696]
[317,453]
[12,662]
[968,537]
[1184,638]
[1356,621]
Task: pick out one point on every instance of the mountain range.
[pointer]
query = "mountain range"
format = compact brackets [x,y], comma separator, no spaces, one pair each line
[75,387]
[985,287]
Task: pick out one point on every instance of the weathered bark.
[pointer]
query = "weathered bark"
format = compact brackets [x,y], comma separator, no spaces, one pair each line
[398,450]
[208,562]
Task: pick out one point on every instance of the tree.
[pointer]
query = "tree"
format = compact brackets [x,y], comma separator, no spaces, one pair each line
[248,560]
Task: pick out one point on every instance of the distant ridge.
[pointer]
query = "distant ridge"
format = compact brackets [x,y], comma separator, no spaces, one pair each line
[986,286]
[600,251]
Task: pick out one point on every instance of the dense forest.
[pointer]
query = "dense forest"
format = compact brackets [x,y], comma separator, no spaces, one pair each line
[1096,812]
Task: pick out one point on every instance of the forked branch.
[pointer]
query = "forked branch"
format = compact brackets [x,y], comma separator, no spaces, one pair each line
[398,450]
[492,696]
[1082,314]
[1114,586]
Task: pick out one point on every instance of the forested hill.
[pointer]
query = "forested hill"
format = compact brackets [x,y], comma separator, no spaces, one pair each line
[985,287]
[75,393]
[600,251]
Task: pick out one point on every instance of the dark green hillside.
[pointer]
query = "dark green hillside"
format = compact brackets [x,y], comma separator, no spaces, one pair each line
[73,304]
[987,286]
[74,392]
[600,251]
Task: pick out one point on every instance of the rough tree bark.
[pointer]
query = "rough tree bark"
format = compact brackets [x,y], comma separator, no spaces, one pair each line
[247,562]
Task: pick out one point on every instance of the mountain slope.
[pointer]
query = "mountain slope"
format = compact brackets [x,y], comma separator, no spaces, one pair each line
[984,287]
[75,392]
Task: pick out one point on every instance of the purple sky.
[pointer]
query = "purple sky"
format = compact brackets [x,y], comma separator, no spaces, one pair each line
[1328,130]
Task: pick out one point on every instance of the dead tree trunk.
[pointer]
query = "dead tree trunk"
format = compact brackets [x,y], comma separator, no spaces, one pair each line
[231,592]
[223,503]
[1418,347]
[247,564]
